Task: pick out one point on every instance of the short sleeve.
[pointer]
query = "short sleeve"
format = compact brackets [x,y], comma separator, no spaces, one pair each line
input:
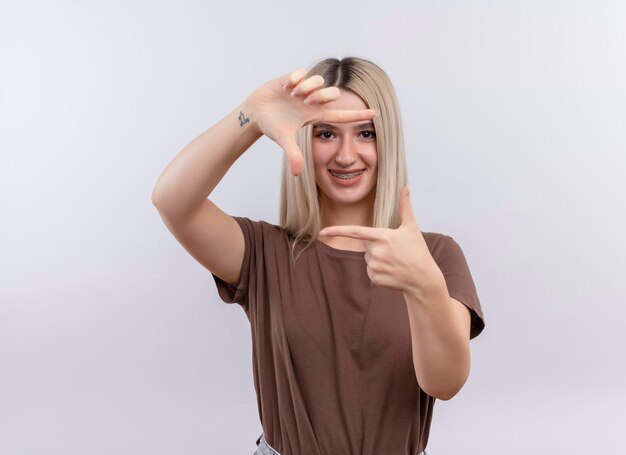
[227,292]
[456,272]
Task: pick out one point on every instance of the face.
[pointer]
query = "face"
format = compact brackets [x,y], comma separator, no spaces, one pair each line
[340,150]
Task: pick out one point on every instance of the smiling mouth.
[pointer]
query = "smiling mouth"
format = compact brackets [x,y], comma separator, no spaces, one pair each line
[346,176]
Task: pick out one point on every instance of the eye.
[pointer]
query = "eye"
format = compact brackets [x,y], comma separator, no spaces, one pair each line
[370,134]
[323,133]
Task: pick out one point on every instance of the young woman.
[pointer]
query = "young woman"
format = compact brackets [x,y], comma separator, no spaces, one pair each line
[359,320]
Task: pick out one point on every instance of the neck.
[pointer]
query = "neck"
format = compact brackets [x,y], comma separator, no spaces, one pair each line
[335,213]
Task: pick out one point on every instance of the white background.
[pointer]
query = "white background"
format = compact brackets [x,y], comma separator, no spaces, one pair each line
[113,338]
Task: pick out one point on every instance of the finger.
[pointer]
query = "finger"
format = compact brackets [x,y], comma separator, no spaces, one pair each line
[406,210]
[367,257]
[323,95]
[345,116]
[292,79]
[368,244]
[294,155]
[305,86]
[355,232]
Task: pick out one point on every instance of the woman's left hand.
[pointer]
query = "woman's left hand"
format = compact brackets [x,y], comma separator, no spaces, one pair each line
[396,258]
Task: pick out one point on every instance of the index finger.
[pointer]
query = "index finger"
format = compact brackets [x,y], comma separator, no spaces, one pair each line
[347,115]
[291,79]
[355,232]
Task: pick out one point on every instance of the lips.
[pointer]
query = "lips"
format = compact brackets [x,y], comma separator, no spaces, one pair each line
[349,175]
[337,171]
[344,175]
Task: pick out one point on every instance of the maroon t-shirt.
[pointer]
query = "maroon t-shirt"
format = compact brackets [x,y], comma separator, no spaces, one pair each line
[332,355]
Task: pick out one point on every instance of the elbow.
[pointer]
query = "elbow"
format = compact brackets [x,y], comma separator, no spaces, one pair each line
[444,394]
[447,395]
[446,391]
[158,191]
[154,200]
[154,196]
[157,196]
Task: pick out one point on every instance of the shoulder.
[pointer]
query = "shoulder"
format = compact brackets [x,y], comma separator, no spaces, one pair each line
[274,229]
[437,241]
[443,247]
[258,224]
[262,229]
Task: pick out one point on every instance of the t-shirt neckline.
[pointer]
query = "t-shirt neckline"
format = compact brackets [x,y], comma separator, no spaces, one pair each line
[338,252]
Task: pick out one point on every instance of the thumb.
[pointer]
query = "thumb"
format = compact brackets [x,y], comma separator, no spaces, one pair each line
[406,210]
[294,154]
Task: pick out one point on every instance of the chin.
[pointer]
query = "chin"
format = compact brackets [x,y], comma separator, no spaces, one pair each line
[349,196]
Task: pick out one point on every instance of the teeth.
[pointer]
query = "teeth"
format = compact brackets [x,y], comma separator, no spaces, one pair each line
[347,176]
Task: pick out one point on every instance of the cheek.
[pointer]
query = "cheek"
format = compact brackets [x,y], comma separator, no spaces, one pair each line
[321,155]
[319,166]
[317,161]
[371,156]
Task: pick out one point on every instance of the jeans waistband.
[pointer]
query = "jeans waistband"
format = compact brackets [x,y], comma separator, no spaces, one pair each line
[264,448]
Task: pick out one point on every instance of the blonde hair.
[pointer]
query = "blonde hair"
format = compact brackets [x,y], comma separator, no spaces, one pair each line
[299,197]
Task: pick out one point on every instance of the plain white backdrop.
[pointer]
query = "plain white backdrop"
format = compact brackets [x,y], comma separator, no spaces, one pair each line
[114,340]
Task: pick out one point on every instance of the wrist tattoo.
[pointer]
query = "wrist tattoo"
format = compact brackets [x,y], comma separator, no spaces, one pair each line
[243,119]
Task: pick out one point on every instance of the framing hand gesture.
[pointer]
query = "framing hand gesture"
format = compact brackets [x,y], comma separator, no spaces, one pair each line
[283,105]
[396,258]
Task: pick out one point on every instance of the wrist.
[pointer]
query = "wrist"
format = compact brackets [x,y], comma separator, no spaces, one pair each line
[247,118]
[431,283]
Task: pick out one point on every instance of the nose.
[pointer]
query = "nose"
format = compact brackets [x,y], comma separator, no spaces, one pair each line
[346,155]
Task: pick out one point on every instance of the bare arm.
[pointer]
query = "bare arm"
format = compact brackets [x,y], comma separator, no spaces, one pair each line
[193,174]
[211,236]
[440,334]
[440,325]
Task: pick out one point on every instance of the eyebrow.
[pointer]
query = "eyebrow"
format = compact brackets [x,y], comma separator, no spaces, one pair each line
[356,127]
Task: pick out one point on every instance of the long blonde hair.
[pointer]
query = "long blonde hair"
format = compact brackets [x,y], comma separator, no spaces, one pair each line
[299,197]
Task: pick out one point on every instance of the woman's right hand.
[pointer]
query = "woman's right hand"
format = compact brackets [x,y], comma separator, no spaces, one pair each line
[283,105]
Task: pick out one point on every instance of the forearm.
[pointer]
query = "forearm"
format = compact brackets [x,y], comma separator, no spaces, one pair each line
[441,353]
[193,174]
